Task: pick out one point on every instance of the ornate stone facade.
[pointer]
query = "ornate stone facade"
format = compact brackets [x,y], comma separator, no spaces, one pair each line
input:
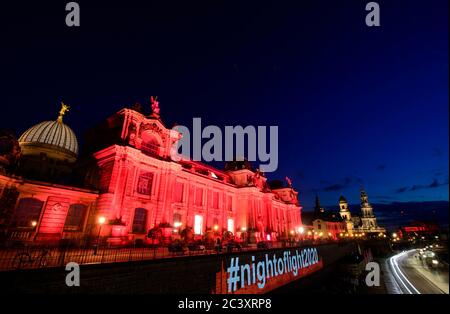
[136,186]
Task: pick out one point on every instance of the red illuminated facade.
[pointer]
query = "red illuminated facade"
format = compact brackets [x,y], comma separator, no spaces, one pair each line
[130,179]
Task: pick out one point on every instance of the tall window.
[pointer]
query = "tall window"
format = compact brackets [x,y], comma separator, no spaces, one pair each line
[145,183]
[178,192]
[176,219]
[198,224]
[28,210]
[75,217]
[215,200]
[230,225]
[199,196]
[139,220]
[229,203]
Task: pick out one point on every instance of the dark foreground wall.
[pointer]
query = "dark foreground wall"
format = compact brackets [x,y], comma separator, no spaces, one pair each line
[189,274]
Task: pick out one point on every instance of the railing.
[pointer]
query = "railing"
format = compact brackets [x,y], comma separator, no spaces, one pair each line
[41,257]
[45,257]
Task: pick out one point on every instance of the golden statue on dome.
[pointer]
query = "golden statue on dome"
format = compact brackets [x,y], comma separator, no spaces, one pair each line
[62,112]
[155,106]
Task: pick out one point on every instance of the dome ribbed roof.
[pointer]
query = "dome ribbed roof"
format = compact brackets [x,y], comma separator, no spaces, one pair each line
[342,199]
[54,133]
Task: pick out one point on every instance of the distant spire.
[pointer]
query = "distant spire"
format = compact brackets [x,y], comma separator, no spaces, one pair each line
[62,112]
[364,198]
[317,208]
[317,201]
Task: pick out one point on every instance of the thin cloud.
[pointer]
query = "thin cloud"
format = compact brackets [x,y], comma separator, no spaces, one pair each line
[434,184]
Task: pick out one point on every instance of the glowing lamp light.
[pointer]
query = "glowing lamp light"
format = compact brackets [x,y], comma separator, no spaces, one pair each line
[309,233]
[268,237]
[34,223]
[435,262]
[101,220]
[292,231]
[216,227]
[329,234]
[394,235]
[177,224]
[243,229]
[341,234]
[320,234]
[301,230]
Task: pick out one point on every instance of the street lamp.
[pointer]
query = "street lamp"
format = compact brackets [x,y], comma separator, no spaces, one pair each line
[101,221]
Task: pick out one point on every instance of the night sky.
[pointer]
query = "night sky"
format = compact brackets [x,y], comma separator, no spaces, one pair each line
[354,105]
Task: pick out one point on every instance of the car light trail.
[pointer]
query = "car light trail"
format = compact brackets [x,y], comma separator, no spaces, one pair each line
[399,274]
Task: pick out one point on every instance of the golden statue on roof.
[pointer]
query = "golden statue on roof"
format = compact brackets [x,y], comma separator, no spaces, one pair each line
[62,112]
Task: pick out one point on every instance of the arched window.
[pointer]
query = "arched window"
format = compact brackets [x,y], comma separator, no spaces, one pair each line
[75,217]
[139,220]
[28,210]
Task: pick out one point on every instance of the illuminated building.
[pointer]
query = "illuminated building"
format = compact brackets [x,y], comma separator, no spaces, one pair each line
[366,222]
[325,224]
[130,179]
[328,224]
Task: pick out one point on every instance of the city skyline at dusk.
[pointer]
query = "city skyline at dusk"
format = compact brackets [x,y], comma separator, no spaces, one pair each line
[224,155]
[355,106]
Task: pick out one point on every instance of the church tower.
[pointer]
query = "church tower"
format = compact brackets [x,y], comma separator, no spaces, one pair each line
[317,209]
[368,219]
[345,214]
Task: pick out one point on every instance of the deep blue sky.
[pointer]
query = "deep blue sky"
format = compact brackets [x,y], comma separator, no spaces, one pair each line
[354,105]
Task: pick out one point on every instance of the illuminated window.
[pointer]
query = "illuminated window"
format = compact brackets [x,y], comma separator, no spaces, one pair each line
[230,225]
[178,192]
[139,220]
[28,210]
[75,217]
[145,183]
[199,197]
[198,224]
[176,220]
